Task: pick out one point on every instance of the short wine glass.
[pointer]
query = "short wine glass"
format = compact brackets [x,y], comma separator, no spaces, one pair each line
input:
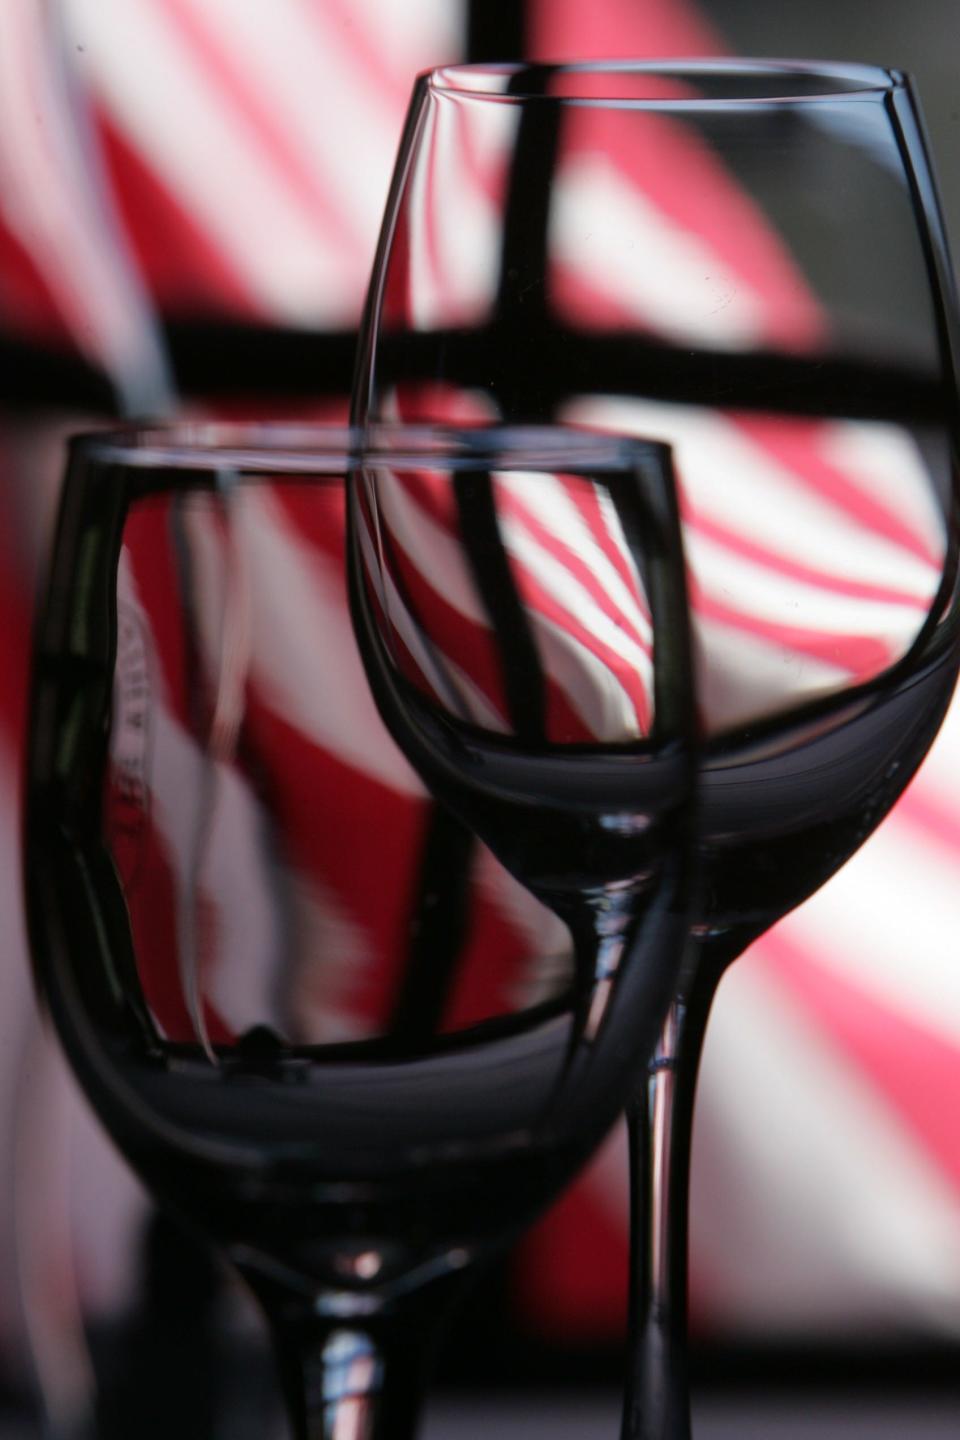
[746,260]
[340,1029]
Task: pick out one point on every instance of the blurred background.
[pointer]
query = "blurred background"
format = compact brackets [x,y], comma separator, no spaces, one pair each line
[190,193]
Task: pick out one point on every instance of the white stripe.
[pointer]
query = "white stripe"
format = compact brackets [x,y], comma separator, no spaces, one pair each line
[587,678]
[403,626]
[108,1208]
[422,302]
[475,703]
[452,687]
[166,107]
[236,877]
[594,692]
[548,501]
[886,463]
[811,1205]
[889,923]
[256,945]
[563,586]
[548,971]
[448,211]
[469,222]
[741,677]
[304,652]
[733,481]
[441,560]
[415,34]
[592,689]
[625,247]
[51,201]
[939,775]
[333,114]
[765,594]
[432,551]
[332,959]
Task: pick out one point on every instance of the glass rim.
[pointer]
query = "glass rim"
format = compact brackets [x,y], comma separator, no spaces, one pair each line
[804,81]
[315,448]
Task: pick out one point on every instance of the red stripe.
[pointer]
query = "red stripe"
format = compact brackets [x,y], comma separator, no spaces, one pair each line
[433,494]
[587,502]
[403,658]
[396,285]
[436,400]
[29,307]
[316,516]
[788,568]
[795,444]
[572,1269]
[400,653]
[670,165]
[448,632]
[342,828]
[352,836]
[496,958]
[153,897]
[933,815]
[570,1279]
[472,654]
[714,207]
[315,510]
[474,647]
[540,602]
[561,611]
[618,29]
[511,504]
[862,656]
[185,268]
[17,594]
[564,725]
[487,171]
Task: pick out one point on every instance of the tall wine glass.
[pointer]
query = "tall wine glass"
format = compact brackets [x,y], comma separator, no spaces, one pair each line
[746,260]
[352,1046]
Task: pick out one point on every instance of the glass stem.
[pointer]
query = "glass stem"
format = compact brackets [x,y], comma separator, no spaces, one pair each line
[357,1377]
[660,1124]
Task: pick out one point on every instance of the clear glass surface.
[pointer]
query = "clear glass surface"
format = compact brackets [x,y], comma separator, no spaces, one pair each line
[744,260]
[355,1034]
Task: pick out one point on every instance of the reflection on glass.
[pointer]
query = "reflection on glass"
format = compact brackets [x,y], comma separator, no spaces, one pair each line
[786,613]
[743,260]
[565,559]
[235,730]
[355,1036]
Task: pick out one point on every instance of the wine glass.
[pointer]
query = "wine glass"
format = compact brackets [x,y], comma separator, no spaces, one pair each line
[744,259]
[344,1039]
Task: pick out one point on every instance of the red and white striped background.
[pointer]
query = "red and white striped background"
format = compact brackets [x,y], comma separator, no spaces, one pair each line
[247,150]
